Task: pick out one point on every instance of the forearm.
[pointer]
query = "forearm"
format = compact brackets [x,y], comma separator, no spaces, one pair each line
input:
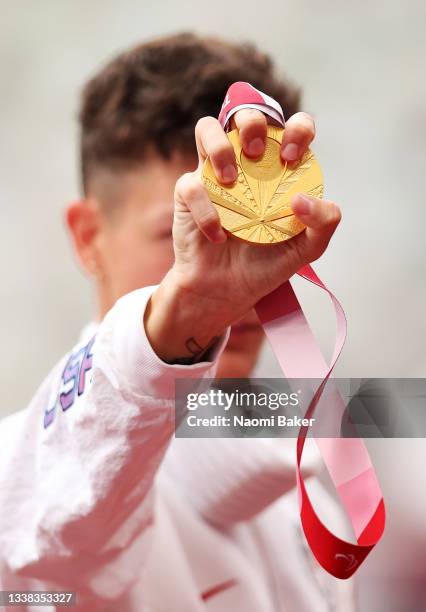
[180,325]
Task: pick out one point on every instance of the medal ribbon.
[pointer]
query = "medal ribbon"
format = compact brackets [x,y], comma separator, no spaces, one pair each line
[299,356]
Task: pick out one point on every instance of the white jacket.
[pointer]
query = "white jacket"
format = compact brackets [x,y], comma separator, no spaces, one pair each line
[94,500]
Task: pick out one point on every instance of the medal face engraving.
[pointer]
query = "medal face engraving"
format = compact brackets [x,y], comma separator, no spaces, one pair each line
[256,208]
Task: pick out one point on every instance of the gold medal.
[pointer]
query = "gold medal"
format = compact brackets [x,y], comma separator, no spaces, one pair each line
[256,208]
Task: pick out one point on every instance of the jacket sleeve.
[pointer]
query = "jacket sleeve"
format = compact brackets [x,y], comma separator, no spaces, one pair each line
[78,464]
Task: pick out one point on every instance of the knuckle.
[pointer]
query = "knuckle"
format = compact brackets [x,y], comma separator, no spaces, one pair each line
[182,180]
[188,186]
[302,125]
[307,117]
[194,190]
[335,214]
[204,122]
[178,187]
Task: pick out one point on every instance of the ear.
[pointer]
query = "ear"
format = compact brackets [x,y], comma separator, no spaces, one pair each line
[83,220]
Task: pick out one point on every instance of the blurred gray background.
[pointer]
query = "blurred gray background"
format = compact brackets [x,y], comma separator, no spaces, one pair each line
[361,66]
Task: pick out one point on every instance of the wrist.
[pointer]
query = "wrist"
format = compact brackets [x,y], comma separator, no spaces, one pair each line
[180,324]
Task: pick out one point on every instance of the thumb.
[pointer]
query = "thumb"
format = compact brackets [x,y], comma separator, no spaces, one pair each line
[321,218]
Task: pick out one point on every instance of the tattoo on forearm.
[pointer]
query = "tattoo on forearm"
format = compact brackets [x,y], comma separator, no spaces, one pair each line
[197,351]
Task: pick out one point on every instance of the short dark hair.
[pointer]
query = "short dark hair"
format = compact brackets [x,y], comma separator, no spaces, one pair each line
[152,95]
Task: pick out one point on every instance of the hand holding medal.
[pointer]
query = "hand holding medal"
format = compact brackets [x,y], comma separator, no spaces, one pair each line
[254,177]
[225,278]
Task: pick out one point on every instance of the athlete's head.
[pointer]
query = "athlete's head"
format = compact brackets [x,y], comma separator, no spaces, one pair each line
[137,121]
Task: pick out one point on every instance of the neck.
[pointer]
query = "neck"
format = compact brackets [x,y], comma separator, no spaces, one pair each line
[104,301]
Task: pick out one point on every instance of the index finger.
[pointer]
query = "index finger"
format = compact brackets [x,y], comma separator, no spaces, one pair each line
[212,142]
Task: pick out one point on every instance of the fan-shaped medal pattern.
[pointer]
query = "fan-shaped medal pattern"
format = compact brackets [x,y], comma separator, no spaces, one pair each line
[256,208]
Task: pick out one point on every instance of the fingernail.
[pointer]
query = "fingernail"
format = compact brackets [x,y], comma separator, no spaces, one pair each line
[256,147]
[291,152]
[229,173]
[304,204]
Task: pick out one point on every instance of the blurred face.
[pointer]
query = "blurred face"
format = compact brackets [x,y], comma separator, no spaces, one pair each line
[126,243]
